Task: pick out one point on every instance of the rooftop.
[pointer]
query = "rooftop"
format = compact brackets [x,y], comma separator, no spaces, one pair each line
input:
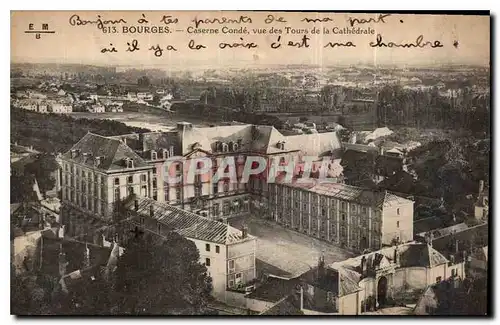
[411,254]
[350,193]
[112,151]
[262,139]
[188,224]
[274,289]
[288,306]
[74,251]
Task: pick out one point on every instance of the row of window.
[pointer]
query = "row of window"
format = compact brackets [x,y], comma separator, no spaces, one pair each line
[165,153]
[230,207]
[81,173]
[84,201]
[286,196]
[217,248]
[130,179]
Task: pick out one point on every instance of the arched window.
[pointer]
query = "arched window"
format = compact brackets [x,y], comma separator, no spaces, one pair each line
[225,147]
[154,155]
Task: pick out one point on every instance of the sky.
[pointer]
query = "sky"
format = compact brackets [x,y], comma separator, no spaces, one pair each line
[83,44]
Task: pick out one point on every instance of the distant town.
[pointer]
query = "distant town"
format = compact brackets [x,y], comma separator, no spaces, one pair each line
[401,227]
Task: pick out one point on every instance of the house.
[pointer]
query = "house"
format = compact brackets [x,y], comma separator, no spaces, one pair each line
[288,306]
[478,265]
[227,253]
[352,217]
[453,297]
[361,284]
[96,108]
[147,97]
[61,108]
[271,292]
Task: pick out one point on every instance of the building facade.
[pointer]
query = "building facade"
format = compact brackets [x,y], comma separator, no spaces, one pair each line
[361,284]
[227,253]
[349,216]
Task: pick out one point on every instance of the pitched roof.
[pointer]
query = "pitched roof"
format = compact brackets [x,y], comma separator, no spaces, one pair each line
[420,255]
[317,144]
[348,193]
[187,224]
[288,306]
[253,138]
[79,279]
[348,281]
[411,254]
[112,151]
[74,253]
[274,289]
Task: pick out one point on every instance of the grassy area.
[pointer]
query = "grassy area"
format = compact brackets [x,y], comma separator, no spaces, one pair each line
[54,133]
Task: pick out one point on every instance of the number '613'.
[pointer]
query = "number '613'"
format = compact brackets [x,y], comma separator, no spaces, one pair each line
[109,30]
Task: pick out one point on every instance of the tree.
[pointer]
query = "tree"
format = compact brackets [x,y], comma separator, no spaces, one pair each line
[157,276]
[42,169]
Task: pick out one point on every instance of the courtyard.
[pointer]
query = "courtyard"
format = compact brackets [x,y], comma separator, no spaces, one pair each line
[284,252]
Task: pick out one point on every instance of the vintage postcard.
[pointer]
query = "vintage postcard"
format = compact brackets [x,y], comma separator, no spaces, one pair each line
[249,163]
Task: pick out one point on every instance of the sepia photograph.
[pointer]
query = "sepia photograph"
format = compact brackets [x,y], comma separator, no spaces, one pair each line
[250,163]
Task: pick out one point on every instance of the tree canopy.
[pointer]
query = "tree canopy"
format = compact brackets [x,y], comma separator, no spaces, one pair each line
[157,276]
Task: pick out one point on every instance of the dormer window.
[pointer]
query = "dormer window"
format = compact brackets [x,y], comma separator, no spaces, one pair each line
[74,153]
[154,155]
[235,146]
[225,147]
[129,163]
[98,161]
[281,145]
[166,154]
[86,156]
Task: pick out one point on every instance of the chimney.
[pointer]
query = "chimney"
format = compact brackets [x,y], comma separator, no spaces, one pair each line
[60,233]
[353,139]
[184,126]
[86,257]
[98,161]
[151,211]
[62,261]
[321,267]
[301,298]
[430,238]
[244,231]
[74,153]
[481,187]
[396,255]
[136,205]
[363,265]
